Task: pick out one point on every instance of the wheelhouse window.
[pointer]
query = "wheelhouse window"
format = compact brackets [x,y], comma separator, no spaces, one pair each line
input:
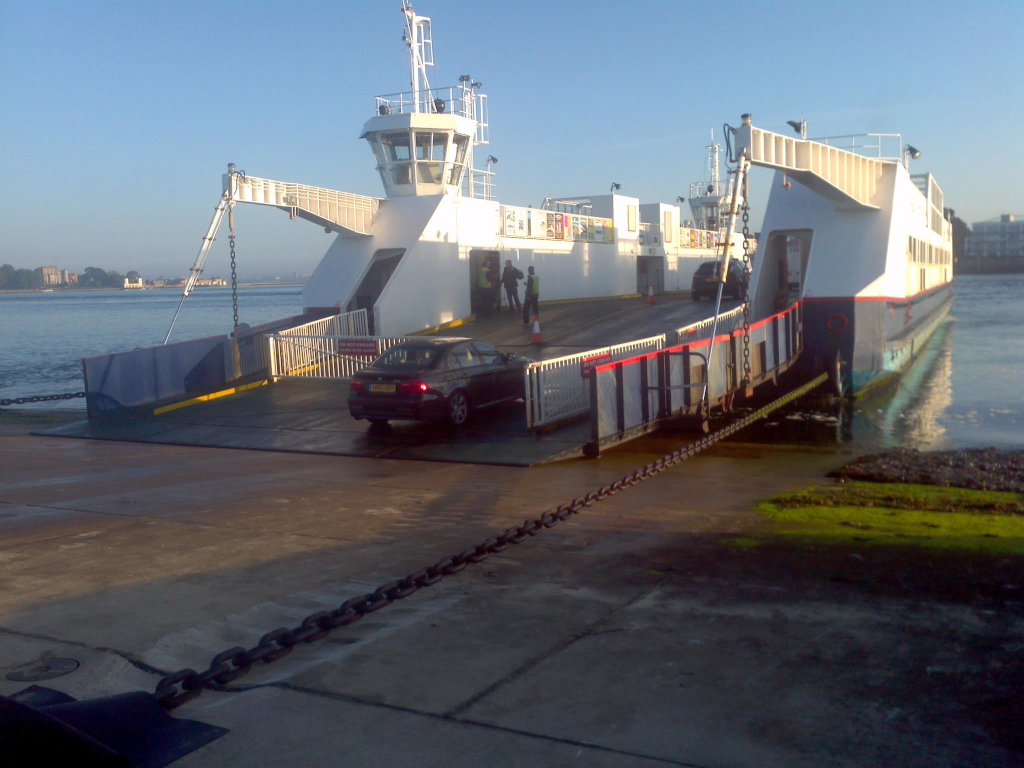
[430,153]
[397,149]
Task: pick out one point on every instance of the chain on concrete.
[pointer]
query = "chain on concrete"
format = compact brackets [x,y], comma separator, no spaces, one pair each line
[185,684]
[746,293]
[234,278]
[40,399]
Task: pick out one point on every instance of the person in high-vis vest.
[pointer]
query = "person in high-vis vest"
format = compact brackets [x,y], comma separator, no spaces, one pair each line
[532,295]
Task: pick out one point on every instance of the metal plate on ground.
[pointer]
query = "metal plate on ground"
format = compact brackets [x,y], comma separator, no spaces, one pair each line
[42,669]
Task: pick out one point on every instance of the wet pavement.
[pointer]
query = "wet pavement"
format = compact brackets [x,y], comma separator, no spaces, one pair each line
[643,632]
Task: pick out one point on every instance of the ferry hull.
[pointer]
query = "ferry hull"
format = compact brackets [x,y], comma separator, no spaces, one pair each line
[875,338]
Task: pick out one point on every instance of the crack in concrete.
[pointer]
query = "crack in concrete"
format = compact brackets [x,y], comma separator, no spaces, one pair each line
[551,653]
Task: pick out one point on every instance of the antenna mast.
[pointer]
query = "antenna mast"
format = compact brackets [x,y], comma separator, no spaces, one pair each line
[421,55]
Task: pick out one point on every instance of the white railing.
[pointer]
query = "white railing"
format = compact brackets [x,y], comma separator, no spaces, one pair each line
[711,188]
[344,324]
[309,356]
[727,322]
[342,209]
[559,389]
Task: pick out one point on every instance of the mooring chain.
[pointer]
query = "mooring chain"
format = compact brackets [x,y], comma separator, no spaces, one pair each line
[185,684]
[746,292]
[40,398]
[234,277]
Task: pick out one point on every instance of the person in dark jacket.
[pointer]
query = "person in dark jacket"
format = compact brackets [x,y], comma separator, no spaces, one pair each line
[532,295]
[510,278]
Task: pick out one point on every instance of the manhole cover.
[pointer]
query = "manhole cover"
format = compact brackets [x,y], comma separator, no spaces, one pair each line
[43,669]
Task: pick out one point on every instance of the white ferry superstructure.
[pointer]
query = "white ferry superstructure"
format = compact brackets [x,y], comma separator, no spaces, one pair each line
[864,243]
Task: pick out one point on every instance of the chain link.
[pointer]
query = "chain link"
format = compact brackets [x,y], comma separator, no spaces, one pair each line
[185,684]
[234,278]
[40,398]
[746,292]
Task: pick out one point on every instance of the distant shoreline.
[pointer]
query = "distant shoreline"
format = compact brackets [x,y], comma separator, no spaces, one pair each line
[66,289]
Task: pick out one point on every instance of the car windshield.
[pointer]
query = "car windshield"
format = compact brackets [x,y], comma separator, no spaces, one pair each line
[408,356]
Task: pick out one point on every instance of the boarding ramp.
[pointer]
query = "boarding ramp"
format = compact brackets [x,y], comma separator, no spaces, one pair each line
[559,389]
[848,177]
[629,397]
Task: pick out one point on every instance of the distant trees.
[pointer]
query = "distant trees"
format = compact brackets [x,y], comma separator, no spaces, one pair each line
[94,277]
[133,275]
[20,279]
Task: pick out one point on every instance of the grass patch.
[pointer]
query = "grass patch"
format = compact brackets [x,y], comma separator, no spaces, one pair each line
[890,513]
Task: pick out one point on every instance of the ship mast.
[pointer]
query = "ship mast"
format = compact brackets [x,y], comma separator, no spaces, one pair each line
[421,55]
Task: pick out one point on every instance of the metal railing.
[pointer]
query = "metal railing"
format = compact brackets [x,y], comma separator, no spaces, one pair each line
[458,100]
[342,209]
[344,324]
[312,356]
[883,146]
[559,389]
[711,188]
[727,323]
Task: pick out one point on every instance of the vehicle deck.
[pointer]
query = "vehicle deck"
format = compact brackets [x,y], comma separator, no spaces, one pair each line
[312,416]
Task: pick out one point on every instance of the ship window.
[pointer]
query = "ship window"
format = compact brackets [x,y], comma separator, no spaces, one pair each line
[428,173]
[461,144]
[431,146]
[378,153]
[396,146]
[631,218]
[667,226]
[401,173]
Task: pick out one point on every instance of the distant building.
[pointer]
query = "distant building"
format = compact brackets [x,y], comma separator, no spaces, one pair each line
[68,278]
[133,283]
[997,237]
[51,276]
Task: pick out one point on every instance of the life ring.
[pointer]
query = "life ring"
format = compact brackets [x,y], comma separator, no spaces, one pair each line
[837,323]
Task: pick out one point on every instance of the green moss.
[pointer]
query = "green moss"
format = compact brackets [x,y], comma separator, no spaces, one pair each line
[887,513]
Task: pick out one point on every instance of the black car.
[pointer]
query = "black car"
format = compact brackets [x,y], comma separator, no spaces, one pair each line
[442,379]
[705,280]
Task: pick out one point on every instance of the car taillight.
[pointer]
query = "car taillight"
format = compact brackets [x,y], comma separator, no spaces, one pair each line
[414,387]
[355,385]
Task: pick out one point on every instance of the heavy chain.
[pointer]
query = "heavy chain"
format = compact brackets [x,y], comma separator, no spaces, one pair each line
[746,292]
[234,278]
[40,398]
[185,684]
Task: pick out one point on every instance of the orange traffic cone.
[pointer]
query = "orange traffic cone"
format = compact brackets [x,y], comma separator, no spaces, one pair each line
[536,331]
[650,293]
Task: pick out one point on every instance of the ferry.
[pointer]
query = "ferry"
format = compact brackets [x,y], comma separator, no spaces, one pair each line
[849,232]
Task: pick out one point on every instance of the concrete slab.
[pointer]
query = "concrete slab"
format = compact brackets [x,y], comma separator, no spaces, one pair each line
[634,635]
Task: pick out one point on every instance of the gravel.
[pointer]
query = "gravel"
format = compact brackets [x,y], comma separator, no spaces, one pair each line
[985,469]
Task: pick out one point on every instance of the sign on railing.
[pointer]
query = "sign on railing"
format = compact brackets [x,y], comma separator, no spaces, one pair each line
[559,389]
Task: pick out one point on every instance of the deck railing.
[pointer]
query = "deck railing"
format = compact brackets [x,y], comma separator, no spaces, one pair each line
[727,323]
[315,356]
[559,389]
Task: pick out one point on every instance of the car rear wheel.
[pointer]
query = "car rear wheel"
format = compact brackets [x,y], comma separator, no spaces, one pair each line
[458,408]
[695,295]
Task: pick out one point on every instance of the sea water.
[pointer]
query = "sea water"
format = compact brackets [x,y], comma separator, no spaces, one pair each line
[965,389]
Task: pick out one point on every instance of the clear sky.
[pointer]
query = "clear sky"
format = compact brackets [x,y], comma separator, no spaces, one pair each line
[117,119]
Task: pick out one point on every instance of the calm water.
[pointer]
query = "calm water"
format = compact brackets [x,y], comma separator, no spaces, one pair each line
[44,336]
[967,389]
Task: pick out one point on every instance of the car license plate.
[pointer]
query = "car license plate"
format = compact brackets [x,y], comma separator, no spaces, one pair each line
[382,387]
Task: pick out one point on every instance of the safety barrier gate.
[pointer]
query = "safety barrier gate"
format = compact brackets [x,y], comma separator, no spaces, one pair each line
[627,396]
[559,389]
[309,356]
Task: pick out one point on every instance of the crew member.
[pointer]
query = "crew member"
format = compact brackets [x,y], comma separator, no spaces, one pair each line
[532,295]
[510,278]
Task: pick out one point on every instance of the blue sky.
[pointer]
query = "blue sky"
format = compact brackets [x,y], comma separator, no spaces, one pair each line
[118,118]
